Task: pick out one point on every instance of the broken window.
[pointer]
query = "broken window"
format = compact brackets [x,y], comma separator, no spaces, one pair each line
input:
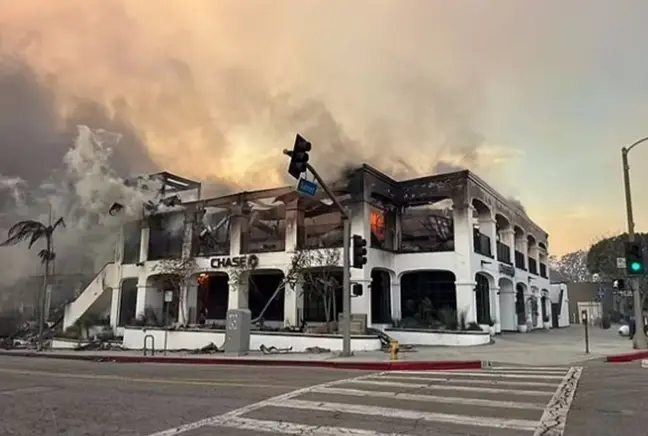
[166,236]
[428,228]
[132,239]
[382,220]
[212,232]
[266,228]
[323,225]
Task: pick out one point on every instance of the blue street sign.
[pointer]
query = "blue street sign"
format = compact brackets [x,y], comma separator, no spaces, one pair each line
[306,187]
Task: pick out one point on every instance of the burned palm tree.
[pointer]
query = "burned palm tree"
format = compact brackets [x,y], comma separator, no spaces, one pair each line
[34,231]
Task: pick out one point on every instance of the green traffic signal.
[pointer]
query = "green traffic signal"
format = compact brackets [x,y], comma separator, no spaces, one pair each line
[635,266]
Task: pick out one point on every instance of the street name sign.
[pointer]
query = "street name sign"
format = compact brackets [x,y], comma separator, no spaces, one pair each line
[306,187]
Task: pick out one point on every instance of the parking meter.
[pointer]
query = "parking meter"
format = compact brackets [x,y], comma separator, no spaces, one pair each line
[585,321]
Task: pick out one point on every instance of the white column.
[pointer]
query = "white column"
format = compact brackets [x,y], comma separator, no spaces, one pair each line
[237,229]
[495,308]
[293,305]
[114,308]
[396,299]
[488,226]
[140,305]
[145,236]
[464,248]
[119,247]
[466,303]
[238,293]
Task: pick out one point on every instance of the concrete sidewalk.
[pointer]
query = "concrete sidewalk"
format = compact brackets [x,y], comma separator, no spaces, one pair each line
[547,348]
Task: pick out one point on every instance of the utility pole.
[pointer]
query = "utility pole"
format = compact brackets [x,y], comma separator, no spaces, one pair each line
[298,165]
[639,340]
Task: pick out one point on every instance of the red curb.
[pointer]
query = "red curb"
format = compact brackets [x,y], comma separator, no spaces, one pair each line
[331,364]
[627,357]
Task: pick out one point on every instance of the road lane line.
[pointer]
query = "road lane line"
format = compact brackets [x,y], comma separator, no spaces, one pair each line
[432,398]
[476,382]
[453,388]
[218,419]
[554,418]
[484,374]
[30,390]
[564,369]
[189,382]
[446,418]
[289,428]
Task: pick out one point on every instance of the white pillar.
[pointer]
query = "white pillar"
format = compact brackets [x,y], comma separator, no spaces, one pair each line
[119,247]
[140,304]
[238,292]
[293,305]
[237,228]
[396,313]
[145,236]
[495,308]
[114,308]
[466,302]
[464,276]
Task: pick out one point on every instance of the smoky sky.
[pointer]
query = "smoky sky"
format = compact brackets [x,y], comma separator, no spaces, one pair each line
[34,137]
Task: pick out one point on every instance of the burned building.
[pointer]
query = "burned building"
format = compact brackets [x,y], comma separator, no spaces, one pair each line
[446,242]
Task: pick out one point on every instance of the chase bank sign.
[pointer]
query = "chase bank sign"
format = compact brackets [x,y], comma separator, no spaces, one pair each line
[251,261]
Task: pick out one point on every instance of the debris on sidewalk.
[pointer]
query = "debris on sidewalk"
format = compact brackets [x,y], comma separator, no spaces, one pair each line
[210,348]
[274,350]
[99,345]
[317,350]
[386,340]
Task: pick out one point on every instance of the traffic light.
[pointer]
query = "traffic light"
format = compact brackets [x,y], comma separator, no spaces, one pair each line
[634,259]
[359,251]
[299,157]
[619,284]
[356,290]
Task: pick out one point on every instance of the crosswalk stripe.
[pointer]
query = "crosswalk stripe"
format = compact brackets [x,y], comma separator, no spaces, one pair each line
[477,421]
[432,398]
[485,374]
[563,369]
[477,382]
[452,388]
[290,428]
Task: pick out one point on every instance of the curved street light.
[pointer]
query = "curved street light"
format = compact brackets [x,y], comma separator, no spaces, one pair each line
[639,337]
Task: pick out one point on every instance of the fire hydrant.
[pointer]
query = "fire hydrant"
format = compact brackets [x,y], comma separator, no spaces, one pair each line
[394,349]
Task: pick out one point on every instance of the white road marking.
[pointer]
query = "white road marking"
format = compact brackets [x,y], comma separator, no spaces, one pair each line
[477,421]
[563,369]
[432,398]
[475,382]
[32,390]
[488,374]
[220,419]
[452,388]
[554,418]
[289,428]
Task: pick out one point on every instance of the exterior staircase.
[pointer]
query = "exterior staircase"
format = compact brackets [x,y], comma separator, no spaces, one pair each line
[95,298]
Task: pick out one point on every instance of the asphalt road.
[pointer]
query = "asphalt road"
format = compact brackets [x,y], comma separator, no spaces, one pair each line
[612,399]
[54,397]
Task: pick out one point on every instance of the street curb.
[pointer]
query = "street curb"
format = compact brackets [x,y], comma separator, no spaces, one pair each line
[330,364]
[627,357]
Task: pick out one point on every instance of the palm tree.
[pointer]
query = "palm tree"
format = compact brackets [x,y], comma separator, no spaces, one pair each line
[35,231]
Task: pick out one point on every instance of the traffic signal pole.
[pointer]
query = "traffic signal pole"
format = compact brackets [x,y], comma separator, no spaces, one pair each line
[346,261]
[639,340]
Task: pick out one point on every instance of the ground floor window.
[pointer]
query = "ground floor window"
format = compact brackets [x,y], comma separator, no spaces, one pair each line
[428,298]
[380,296]
[128,302]
[482,298]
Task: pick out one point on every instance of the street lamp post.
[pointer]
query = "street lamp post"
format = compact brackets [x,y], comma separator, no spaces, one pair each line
[639,340]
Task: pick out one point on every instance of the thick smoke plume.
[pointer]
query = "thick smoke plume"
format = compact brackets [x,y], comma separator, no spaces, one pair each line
[217,89]
[82,191]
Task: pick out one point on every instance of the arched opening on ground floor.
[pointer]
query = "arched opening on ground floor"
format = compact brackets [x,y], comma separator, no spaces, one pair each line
[544,306]
[428,299]
[263,286]
[212,297]
[128,302]
[381,312]
[508,312]
[520,306]
[162,303]
[482,298]
[534,308]
[322,292]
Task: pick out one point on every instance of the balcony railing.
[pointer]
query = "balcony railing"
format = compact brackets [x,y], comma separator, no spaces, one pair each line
[533,266]
[504,253]
[519,260]
[482,244]
[543,270]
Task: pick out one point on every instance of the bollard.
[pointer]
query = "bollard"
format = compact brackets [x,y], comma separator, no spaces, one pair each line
[585,320]
[152,344]
[394,349]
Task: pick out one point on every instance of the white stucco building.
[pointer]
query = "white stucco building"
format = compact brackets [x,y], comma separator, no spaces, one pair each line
[449,240]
